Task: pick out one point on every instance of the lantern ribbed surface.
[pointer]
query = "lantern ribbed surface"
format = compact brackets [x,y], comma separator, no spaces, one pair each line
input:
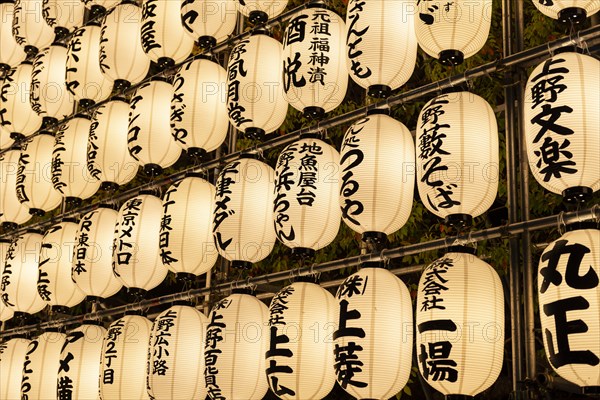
[12,357]
[6,312]
[16,112]
[11,210]
[67,14]
[11,53]
[29,28]
[49,94]
[552,8]
[209,18]
[5,140]
[271,8]
[42,361]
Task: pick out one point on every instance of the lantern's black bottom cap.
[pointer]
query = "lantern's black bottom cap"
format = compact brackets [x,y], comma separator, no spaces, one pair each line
[458,397]
[48,122]
[137,292]
[591,390]
[379,91]
[59,309]
[121,85]
[165,63]
[206,42]
[96,11]
[451,57]
[4,67]
[577,194]
[258,17]
[109,186]
[86,103]
[93,299]
[303,252]
[73,201]
[185,277]
[574,15]
[31,50]
[16,136]
[237,264]
[153,169]
[254,133]
[60,32]
[374,237]
[38,212]
[197,153]
[314,112]
[458,220]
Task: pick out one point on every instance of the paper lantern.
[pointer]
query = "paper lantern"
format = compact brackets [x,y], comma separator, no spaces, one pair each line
[208,21]
[42,361]
[20,275]
[381,44]
[373,343]
[307,212]
[243,212]
[164,39]
[16,114]
[84,77]
[80,363]
[457,157]
[314,61]
[569,298]
[562,126]
[136,255]
[55,285]
[63,15]
[377,176]
[122,58]
[300,357]
[198,108]
[186,235]
[29,29]
[262,10]
[123,362]
[176,355]
[149,137]
[11,53]
[235,347]
[34,175]
[568,10]
[12,357]
[453,31]
[255,100]
[92,256]
[12,212]
[70,175]
[460,324]
[108,158]
[49,95]
[6,312]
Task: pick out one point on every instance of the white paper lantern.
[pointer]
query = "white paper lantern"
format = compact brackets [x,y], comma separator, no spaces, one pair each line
[176,355]
[460,324]
[373,343]
[20,275]
[16,114]
[300,355]
[198,108]
[260,11]
[209,21]
[84,77]
[63,15]
[11,210]
[255,100]
[381,44]
[70,175]
[186,235]
[92,259]
[149,137]
[29,29]
[235,347]
[243,212]
[136,255]
[12,357]
[453,31]
[122,58]
[123,362]
[307,212]
[314,61]
[457,156]
[569,298]
[34,175]
[11,53]
[568,10]
[80,363]
[55,285]
[164,38]
[108,158]
[42,361]
[49,95]
[562,126]
[377,164]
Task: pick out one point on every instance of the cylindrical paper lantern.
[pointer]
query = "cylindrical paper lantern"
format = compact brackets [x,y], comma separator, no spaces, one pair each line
[149,137]
[92,258]
[11,210]
[122,58]
[20,274]
[63,15]
[381,44]
[314,61]
[198,108]
[460,324]
[307,211]
[186,235]
[243,212]
[55,285]
[70,175]
[569,298]
[255,100]
[12,357]
[16,114]
[108,158]
[164,39]
[176,355]
[34,175]
[377,164]
[568,10]
[40,370]
[260,11]
[11,53]
[457,156]
[123,362]
[453,30]
[136,255]
[28,27]
[300,356]
[80,363]
[562,125]
[373,343]
[209,21]
[235,347]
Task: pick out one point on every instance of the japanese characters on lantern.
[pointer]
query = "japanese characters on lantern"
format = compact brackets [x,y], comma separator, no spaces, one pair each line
[11,52]
[208,21]
[28,27]
[63,15]
[40,369]
[12,358]
[12,211]
[16,113]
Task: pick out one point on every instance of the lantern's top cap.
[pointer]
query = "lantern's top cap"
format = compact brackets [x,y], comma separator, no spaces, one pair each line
[159,79]
[202,57]
[576,226]
[194,174]
[82,115]
[461,249]
[569,49]
[261,31]
[108,206]
[308,279]
[148,192]
[249,156]
[373,264]
[119,98]
[379,111]
[31,230]
[245,290]
[316,4]
[69,219]
[92,322]
[2,240]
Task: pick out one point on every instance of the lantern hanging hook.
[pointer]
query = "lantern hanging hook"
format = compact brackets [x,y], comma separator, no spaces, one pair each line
[467,81]
[596,212]
[550,51]
[384,258]
[561,223]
